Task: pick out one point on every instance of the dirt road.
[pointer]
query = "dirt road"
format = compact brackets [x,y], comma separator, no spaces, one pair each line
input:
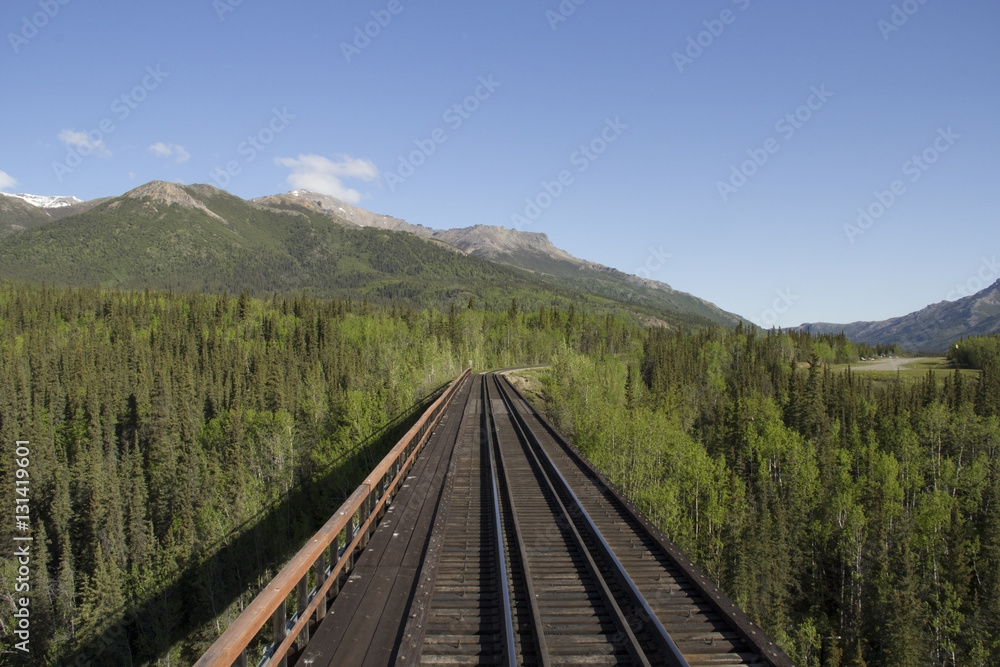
[888,364]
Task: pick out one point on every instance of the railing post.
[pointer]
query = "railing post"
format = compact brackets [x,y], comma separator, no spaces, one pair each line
[320,580]
[279,621]
[363,513]
[303,602]
[348,538]
[370,501]
[241,660]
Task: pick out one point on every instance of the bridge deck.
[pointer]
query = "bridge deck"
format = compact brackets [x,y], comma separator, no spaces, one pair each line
[365,622]
[427,590]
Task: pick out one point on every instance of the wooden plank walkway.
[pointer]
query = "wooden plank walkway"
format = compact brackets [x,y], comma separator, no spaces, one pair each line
[365,622]
[456,614]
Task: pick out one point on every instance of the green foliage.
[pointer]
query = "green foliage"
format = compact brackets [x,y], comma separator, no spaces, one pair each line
[855,520]
[983,353]
[184,446]
[976,352]
[231,244]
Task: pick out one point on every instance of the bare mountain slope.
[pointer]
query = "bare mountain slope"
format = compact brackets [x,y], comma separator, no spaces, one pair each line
[341,210]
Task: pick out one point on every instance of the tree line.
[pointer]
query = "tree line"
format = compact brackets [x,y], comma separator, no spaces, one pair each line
[185,445]
[976,352]
[857,521]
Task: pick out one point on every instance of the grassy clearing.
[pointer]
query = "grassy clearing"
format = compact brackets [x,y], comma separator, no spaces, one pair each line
[909,370]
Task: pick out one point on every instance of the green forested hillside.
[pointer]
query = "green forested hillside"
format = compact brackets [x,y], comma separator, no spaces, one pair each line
[17,215]
[857,522]
[184,446]
[530,251]
[977,352]
[199,238]
[931,329]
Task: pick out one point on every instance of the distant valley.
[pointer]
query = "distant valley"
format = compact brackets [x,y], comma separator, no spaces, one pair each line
[932,329]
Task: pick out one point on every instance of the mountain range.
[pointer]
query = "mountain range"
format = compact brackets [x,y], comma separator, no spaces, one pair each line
[42,201]
[197,237]
[932,329]
[531,251]
[23,211]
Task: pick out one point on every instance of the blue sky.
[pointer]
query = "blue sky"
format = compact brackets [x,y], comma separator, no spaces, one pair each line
[728,148]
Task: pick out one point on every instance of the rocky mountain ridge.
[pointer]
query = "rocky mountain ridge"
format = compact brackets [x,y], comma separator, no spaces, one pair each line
[931,329]
[531,251]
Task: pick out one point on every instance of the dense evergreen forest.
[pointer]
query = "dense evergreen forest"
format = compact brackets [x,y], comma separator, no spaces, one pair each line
[183,446]
[857,521]
[977,352]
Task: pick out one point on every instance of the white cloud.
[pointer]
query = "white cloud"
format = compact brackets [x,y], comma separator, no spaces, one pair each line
[161,149]
[322,175]
[83,143]
[6,180]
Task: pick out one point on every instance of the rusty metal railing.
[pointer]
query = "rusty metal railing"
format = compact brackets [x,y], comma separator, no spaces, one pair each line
[351,526]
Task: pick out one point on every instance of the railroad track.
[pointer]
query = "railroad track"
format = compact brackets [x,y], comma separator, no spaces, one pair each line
[539,561]
[705,625]
[583,611]
[502,545]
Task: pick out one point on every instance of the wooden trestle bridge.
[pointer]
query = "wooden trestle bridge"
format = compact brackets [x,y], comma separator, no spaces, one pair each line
[484,538]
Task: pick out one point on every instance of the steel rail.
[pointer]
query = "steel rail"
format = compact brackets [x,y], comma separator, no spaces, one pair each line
[671,653]
[538,630]
[633,646]
[733,616]
[415,629]
[508,622]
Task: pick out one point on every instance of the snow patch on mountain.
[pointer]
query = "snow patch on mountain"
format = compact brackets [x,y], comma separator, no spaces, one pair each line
[42,201]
